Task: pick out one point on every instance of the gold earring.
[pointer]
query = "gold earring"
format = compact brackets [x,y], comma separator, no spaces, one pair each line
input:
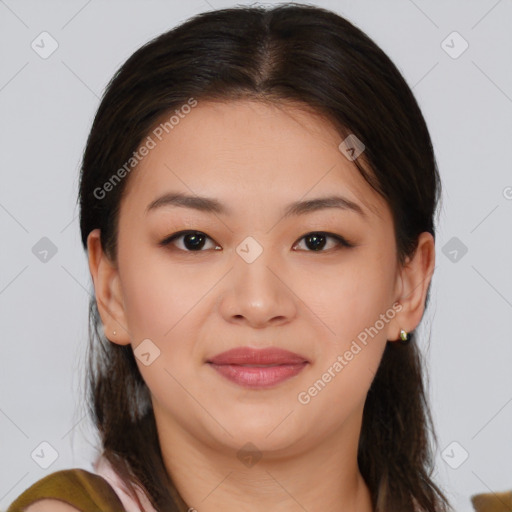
[405,337]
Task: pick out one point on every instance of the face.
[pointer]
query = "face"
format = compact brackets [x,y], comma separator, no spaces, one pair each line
[244,269]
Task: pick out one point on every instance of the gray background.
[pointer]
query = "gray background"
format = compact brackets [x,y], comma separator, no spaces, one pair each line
[46,109]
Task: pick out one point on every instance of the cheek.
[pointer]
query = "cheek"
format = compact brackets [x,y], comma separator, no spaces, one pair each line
[357,311]
[157,295]
[160,304]
[340,387]
[351,297]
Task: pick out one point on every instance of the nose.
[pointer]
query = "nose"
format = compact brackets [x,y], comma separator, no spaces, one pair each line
[258,293]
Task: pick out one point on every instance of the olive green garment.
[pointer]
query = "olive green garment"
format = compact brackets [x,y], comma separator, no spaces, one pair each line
[492,502]
[84,490]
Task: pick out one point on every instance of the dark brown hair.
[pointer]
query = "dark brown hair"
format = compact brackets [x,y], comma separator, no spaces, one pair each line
[320,61]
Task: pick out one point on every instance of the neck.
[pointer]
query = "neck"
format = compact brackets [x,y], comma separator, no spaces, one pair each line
[315,478]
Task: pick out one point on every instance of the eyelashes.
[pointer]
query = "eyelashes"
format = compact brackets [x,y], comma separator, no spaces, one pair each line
[196,241]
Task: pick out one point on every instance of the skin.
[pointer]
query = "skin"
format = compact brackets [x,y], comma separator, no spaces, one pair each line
[255,159]
[50,505]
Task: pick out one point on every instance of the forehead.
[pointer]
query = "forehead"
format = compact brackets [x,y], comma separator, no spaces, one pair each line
[246,150]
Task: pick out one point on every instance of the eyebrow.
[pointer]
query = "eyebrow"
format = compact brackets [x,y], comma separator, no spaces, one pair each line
[210,205]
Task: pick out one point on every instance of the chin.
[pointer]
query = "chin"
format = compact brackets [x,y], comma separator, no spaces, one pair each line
[274,433]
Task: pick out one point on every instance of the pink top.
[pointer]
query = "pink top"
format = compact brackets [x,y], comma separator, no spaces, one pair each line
[102,467]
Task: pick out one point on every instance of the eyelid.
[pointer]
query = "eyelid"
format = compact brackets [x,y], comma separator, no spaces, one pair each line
[342,241]
[169,239]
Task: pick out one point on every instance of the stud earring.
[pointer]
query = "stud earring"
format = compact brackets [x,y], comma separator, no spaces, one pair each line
[114,333]
[405,337]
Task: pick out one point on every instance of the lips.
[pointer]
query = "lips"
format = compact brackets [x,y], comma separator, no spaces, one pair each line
[258,368]
[253,356]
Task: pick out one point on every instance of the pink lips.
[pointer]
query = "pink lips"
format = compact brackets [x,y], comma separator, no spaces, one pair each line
[258,368]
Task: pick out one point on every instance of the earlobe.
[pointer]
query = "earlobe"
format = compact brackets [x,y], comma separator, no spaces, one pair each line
[107,291]
[414,276]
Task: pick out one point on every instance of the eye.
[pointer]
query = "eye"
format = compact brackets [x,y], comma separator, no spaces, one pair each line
[193,241]
[316,241]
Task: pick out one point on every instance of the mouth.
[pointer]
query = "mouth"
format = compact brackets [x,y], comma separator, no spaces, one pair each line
[258,368]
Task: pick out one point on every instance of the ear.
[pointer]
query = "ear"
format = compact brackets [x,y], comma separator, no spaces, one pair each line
[108,291]
[412,285]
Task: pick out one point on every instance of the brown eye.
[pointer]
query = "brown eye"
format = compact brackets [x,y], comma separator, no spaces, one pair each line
[316,241]
[193,241]
[196,241]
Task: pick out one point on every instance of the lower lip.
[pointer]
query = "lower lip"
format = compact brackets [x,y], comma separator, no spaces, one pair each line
[257,377]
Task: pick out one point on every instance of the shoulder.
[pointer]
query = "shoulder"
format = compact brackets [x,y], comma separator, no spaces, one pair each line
[70,490]
[51,505]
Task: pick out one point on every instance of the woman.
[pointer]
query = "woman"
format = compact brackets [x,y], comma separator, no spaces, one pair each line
[257,203]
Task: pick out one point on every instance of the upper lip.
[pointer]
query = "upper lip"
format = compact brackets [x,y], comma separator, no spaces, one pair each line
[257,356]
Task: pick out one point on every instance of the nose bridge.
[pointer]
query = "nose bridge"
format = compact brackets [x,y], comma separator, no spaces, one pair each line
[251,266]
[254,290]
